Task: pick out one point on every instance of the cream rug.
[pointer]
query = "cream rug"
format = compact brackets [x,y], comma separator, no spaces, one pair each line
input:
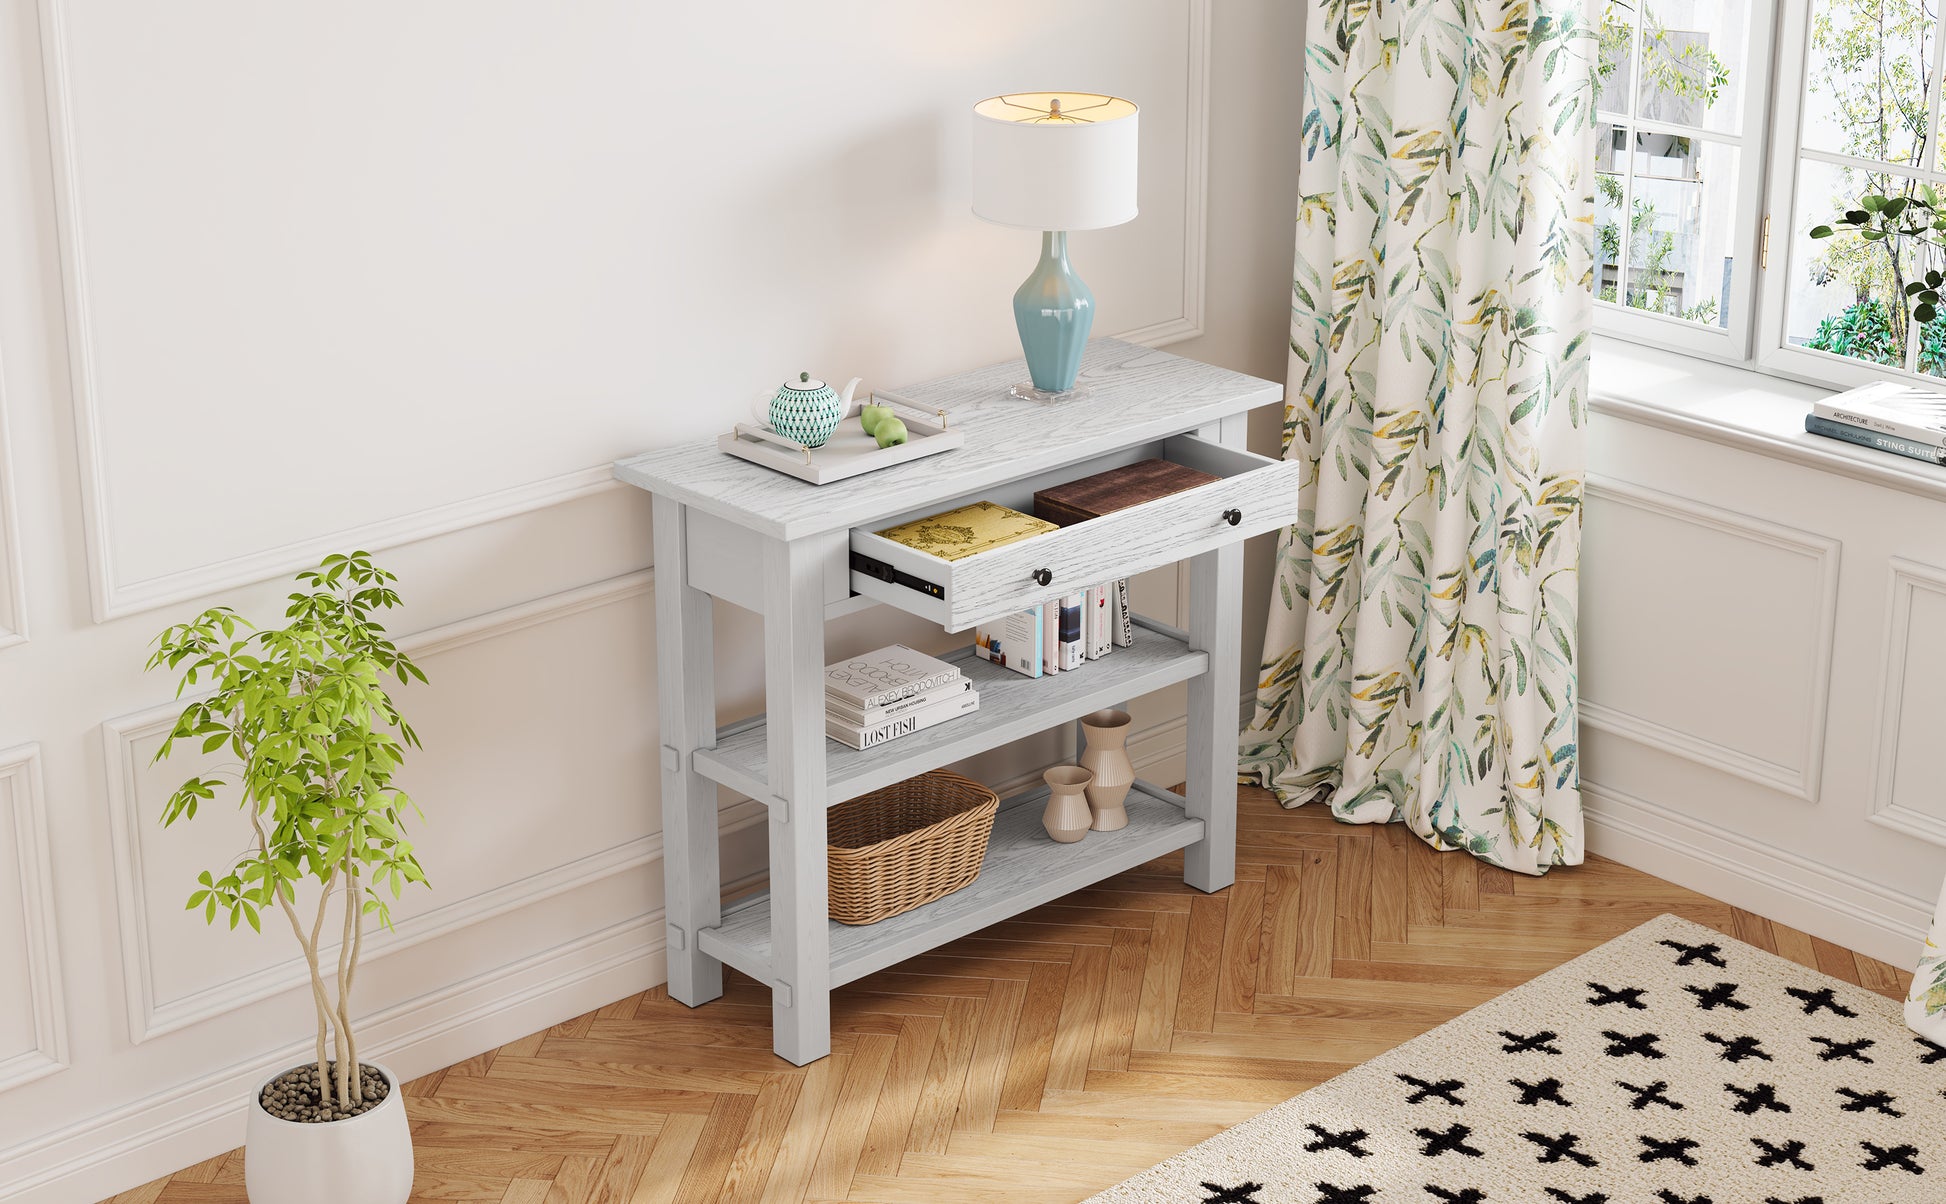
[1672,1065]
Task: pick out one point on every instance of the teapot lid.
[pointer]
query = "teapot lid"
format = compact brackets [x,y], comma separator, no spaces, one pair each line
[804,384]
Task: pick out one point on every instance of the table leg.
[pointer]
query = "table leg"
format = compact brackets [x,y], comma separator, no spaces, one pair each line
[686,690]
[800,939]
[1216,627]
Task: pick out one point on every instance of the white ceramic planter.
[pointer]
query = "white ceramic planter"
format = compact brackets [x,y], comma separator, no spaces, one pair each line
[367,1158]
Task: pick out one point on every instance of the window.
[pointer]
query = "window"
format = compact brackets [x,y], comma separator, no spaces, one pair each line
[1864,119]
[1678,169]
[1711,178]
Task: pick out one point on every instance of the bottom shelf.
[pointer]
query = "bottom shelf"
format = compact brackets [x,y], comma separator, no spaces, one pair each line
[1023,869]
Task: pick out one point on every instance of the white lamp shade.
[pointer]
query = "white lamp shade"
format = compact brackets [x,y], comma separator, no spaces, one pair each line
[1054,160]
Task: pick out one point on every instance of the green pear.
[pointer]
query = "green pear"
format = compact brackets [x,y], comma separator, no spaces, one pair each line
[889,432]
[870,416]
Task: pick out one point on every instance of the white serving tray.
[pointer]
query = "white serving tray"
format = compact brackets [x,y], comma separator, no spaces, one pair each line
[849,451]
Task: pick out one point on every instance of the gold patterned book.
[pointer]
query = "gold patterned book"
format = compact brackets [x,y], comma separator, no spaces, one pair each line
[960,533]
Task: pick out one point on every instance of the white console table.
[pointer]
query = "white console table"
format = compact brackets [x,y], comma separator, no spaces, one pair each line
[792,551]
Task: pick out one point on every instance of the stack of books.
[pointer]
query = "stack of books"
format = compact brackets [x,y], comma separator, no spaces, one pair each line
[1891,417]
[1062,634]
[892,692]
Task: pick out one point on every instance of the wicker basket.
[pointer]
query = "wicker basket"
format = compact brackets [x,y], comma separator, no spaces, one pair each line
[904,846]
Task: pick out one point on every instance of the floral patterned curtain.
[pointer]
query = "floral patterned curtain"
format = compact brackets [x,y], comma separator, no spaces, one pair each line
[1420,654]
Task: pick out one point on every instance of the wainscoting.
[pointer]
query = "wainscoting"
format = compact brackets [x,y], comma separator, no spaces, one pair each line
[413,296]
[1763,637]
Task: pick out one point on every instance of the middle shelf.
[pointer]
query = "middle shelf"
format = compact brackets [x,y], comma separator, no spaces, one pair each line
[1011,707]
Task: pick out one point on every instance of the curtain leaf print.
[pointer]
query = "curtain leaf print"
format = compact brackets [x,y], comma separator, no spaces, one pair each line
[1420,655]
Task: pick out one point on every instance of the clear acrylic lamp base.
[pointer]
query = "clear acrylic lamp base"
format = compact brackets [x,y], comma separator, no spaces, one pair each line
[1027,392]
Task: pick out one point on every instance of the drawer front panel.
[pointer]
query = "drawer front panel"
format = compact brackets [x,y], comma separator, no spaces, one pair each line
[1262,493]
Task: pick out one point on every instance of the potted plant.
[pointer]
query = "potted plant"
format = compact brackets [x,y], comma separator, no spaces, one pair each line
[316,740]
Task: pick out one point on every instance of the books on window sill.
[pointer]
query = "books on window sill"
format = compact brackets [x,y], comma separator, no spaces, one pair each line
[1060,635]
[1888,416]
[892,692]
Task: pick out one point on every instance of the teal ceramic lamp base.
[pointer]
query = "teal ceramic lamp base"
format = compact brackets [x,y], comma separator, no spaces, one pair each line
[1054,311]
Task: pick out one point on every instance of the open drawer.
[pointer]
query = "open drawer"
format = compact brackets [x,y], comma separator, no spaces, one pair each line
[1254,495]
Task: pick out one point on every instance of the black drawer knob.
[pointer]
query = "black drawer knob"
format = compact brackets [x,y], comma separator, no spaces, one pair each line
[1043,577]
[1233,517]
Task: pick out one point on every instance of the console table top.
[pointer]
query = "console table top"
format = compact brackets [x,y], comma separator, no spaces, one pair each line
[1136,394]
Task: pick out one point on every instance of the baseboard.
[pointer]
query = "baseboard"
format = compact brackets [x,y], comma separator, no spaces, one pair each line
[1843,908]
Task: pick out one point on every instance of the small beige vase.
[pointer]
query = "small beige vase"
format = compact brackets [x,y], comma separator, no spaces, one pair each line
[1106,757]
[1067,816]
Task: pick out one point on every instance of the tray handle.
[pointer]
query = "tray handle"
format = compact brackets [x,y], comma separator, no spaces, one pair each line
[744,430]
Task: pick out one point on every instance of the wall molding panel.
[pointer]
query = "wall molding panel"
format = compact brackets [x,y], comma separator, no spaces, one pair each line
[1195,249]
[113,597]
[33,876]
[1802,782]
[150,1016]
[13,583]
[1907,578]
[1850,909]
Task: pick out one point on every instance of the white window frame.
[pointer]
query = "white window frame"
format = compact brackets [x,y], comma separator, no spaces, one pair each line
[1730,343]
[1775,355]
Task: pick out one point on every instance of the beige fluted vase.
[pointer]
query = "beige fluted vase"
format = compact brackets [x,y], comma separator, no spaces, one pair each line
[1067,816]
[1106,757]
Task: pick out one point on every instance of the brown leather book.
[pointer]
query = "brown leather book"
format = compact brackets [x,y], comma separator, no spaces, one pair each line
[1117,489]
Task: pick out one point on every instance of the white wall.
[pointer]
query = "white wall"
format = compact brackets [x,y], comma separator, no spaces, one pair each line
[286,280]
[1762,636]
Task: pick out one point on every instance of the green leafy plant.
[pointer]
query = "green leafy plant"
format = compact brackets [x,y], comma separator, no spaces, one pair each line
[1862,332]
[1915,219]
[317,740]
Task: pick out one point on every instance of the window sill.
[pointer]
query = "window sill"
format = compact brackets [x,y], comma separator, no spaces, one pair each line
[1739,408]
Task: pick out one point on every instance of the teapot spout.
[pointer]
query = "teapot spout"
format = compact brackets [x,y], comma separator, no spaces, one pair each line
[851,387]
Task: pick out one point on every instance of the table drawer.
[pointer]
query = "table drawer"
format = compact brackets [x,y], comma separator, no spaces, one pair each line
[1254,495]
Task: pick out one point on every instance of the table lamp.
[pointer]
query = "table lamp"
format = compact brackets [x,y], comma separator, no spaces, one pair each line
[1054,162]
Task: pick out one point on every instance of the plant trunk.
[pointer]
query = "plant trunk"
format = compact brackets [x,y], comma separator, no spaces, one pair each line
[348,1088]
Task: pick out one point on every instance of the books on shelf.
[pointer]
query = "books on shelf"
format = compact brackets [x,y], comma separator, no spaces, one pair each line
[839,708]
[1889,416]
[892,692]
[1013,641]
[1122,616]
[1061,634]
[1097,620]
[885,676]
[1074,643]
[952,705]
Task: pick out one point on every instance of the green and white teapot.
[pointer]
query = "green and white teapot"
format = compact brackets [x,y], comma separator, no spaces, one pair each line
[808,410]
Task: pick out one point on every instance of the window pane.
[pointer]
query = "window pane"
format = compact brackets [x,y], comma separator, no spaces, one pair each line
[1846,294]
[1608,227]
[1617,56]
[1866,83]
[1681,227]
[1693,62]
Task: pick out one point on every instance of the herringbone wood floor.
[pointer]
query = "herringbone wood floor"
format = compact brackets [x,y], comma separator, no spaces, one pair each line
[1043,1059]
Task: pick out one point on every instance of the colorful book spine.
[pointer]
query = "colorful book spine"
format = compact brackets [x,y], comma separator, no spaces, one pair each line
[1124,616]
[1013,642]
[1073,640]
[1873,439]
[854,736]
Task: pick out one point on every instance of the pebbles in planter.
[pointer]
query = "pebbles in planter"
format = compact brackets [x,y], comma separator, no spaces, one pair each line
[293,1095]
